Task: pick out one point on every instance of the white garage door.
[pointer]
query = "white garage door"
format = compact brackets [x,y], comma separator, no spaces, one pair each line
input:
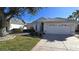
[58,29]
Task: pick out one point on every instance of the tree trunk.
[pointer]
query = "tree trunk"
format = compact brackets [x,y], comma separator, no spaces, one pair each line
[7,25]
[3,31]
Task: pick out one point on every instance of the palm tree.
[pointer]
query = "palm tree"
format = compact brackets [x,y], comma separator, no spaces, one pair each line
[70,17]
[13,12]
[76,15]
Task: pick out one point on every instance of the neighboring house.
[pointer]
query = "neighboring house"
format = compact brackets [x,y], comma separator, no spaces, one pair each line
[29,26]
[55,25]
[16,23]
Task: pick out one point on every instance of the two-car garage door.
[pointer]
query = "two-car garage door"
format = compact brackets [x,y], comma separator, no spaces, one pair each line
[58,28]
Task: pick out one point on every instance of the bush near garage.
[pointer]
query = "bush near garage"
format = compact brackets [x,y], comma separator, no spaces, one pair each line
[34,33]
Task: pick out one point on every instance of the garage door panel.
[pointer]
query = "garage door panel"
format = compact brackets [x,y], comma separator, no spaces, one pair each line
[57,29]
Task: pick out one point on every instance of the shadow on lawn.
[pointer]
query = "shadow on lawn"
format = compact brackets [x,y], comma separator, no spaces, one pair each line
[57,37]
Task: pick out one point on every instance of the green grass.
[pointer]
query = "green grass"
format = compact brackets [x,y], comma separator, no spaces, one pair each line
[19,43]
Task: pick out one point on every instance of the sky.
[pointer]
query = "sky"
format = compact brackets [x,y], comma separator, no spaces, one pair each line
[51,12]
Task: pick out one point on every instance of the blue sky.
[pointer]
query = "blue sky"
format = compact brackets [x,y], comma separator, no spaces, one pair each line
[50,12]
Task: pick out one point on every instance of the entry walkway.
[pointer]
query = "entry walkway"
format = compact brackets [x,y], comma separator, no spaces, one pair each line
[58,43]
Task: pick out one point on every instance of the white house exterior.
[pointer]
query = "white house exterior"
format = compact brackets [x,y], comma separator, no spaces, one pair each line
[16,23]
[55,25]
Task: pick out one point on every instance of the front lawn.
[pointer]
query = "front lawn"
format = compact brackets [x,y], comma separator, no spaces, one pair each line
[19,43]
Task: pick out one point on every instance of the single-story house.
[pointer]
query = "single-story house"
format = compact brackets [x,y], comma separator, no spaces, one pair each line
[13,23]
[55,25]
[16,23]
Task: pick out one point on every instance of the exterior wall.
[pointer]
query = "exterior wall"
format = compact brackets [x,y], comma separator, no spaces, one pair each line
[12,26]
[36,25]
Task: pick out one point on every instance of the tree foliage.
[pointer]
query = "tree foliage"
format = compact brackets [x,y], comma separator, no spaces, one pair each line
[6,13]
[74,16]
[17,11]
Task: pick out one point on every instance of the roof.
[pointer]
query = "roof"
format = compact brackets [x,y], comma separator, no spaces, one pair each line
[17,21]
[40,19]
[43,19]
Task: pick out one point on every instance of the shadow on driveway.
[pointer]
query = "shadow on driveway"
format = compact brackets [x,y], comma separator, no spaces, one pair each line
[57,37]
[51,37]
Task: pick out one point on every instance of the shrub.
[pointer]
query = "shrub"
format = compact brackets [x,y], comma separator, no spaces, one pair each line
[36,34]
[17,30]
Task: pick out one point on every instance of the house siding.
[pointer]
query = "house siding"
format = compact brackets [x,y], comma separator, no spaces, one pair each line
[36,26]
[15,26]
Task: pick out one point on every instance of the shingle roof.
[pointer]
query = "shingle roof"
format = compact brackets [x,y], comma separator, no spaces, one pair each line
[40,19]
[44,19]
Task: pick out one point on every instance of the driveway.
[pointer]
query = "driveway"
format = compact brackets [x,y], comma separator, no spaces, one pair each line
[56,42]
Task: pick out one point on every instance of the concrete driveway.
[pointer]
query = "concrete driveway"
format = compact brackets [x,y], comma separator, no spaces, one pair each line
[55,42]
